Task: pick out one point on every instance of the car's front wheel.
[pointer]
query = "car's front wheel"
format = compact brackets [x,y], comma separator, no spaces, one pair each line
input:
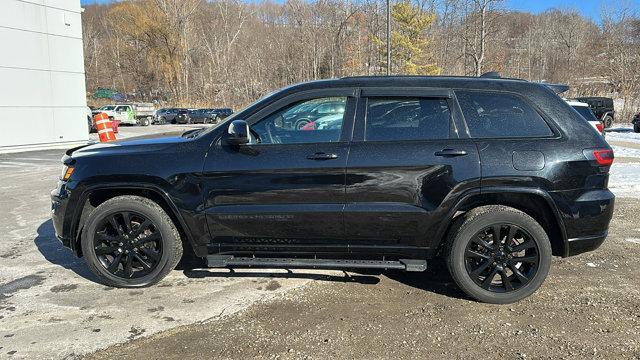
[130,241]
[498,254]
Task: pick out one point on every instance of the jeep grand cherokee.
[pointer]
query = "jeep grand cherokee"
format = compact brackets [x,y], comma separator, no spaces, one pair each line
[494,175]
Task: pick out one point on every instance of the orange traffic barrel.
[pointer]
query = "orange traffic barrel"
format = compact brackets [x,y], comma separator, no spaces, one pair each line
[104,127]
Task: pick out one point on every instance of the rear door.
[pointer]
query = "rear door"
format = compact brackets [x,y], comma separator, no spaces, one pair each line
[407,163]
[285,190]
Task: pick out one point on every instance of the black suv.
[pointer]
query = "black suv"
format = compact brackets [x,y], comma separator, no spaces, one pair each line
[493,175]
[602,107]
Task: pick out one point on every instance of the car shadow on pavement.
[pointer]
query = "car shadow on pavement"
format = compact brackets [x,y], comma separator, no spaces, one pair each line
[54,252]
[290,274]
[435,279]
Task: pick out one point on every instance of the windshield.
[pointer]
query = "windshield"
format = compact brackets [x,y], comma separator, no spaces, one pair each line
[586,112]
[108,107]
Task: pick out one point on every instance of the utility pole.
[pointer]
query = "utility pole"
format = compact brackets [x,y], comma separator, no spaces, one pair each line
[388,38]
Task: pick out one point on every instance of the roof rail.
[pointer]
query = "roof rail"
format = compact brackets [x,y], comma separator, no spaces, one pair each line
[491,75]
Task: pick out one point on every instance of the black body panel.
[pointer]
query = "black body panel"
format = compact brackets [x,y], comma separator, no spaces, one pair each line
[369,199]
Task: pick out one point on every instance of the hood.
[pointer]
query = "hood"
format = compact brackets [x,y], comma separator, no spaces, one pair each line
[152,142]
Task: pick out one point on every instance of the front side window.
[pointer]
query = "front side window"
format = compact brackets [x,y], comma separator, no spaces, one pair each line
[303,122]
[407,118]
[500,115]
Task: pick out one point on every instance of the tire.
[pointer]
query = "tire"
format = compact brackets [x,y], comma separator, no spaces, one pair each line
[607,121]
[636,128]
[464,241]
[161,254]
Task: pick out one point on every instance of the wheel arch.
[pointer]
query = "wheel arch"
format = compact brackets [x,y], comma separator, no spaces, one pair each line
[536,203]
[94,196]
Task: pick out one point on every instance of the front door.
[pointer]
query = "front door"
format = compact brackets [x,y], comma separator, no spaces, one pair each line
[284,191]
[404,164]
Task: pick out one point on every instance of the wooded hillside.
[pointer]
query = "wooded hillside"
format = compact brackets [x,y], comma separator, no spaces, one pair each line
[229,52]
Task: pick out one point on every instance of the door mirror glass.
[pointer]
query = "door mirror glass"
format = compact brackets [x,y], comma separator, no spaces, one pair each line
[238,133]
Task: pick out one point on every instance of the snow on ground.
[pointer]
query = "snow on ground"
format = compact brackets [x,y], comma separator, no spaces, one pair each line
[621,151]
[623,133]
[624,179]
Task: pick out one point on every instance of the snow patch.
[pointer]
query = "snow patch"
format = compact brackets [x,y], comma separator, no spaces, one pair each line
[621,151]
[624,179]
[623,133]
[633,240]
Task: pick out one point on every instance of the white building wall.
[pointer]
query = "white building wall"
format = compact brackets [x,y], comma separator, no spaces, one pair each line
[42,82]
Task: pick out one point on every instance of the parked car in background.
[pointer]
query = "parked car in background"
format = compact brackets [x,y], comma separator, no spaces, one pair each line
[129,114]
[494,176]
[325,123]
[585,111]
[160,112]
[221,113]
[203,116]
[168,116]
[299,117]
[602,108]
[92,126]
[636,123]
[182,117]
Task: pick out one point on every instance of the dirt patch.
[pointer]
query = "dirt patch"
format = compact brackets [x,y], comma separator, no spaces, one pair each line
[22,283]
[272,285]
[63,288]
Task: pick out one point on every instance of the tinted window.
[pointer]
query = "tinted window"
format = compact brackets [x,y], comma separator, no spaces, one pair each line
[499,115]
[301,123]
[407,119]
[585,112]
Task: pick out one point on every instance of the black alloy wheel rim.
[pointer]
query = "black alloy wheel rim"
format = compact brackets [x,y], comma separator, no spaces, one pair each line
[127,244]
[502,258]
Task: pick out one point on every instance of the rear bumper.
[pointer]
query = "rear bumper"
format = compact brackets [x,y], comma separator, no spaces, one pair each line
[583,244]
[586,219]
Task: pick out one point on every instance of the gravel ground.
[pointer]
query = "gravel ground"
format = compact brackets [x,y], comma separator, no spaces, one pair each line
[589,307]
[51,307]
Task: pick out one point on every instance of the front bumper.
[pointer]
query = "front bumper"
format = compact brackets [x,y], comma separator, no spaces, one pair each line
[59,203]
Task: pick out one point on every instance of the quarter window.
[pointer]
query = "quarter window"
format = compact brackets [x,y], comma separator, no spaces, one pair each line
[499,115]
[308,121]
[407,118]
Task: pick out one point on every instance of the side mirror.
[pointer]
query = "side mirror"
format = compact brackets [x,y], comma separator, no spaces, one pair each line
[238,133]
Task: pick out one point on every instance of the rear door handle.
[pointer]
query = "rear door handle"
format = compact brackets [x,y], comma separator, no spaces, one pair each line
[322,156]
[450,153]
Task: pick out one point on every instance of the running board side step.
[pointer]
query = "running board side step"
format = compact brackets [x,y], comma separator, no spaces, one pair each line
[222,261]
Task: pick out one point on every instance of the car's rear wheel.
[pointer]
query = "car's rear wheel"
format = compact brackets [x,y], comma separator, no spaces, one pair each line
[130,241]
[498,254]
[607,121]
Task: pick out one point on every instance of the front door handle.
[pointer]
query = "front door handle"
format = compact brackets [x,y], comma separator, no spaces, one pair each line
[450,153]
[322,156]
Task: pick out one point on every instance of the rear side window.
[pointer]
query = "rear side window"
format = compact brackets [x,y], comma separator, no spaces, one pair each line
[407,118]
[586,112]
[500,115]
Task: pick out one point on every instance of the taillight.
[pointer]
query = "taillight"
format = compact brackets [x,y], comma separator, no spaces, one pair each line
[603,157]
[600,127]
